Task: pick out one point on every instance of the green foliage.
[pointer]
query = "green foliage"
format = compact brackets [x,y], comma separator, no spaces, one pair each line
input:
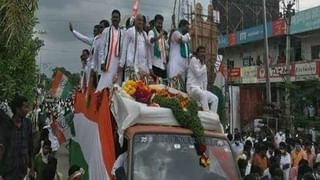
[18,48]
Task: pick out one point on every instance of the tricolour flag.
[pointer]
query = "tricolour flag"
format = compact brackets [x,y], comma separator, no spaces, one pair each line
[92,146]
[135,8]
[61,86]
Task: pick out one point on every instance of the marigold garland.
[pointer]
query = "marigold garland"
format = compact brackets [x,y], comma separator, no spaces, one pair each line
[185,111]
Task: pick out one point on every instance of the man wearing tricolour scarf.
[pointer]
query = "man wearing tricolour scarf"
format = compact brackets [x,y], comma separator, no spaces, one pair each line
[179,51]
[113,39]
[158,48]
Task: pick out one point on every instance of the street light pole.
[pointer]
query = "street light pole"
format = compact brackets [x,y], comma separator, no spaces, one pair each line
[288,13]
[266,54]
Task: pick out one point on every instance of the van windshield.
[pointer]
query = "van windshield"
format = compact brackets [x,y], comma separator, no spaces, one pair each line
[173,157]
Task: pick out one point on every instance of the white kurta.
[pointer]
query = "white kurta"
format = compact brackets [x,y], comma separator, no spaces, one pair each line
[106,79]
[97,54]
[177,64]
[158,62]
[138,58]
[197,85]
[285,160]
[83,38]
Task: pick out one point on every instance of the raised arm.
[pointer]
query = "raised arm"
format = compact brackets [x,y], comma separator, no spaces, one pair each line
[81,37]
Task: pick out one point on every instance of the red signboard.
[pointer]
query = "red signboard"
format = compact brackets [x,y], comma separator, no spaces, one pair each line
[318,68]
[235,72]
[278,27]
[232,39]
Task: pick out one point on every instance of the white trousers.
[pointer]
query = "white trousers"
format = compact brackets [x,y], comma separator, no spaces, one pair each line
[205,98]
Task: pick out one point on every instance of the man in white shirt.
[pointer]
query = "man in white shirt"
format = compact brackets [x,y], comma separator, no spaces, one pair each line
[96,55]
[179,51]
[158,48]
[112,38]
[84,68]
[197,82]
[135,58]
[285,160]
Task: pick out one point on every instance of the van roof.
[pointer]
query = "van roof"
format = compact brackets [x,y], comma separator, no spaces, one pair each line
[142,128]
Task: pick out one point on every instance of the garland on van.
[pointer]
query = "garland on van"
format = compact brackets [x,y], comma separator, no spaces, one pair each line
[187,118]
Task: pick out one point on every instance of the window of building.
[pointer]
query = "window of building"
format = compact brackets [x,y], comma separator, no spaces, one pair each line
[315,52]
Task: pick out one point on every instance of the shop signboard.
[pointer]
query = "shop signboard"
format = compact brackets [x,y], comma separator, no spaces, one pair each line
[277,73]
[307,20]
[249,75]
[306,71]
[234,74]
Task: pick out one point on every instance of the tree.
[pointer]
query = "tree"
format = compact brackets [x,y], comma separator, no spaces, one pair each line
[18,48]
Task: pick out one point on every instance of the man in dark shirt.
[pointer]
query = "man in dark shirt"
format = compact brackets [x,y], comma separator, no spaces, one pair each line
[17,142]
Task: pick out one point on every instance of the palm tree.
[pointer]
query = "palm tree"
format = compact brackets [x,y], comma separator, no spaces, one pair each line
[17,19]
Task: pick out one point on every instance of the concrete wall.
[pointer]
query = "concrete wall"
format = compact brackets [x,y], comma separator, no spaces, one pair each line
[254,50]
[307,41]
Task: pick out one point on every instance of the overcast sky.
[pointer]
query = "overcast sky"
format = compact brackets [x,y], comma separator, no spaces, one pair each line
[62,49]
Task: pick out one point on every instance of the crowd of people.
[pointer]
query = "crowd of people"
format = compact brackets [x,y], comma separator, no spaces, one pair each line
[144,52]
[23,154]
[266,155]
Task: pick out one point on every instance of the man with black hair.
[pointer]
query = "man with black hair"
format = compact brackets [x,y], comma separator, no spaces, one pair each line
[158,48]
[19,149]
[41,159]
[112,40]
[84,68]
[197,81]
[104,23]
[75,172]
[135,58]
[285,160]
[179,54]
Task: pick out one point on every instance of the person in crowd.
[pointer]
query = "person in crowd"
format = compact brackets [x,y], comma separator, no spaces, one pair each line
[113,39]
[237,146]
[298,154]
[259,158]
[316,170]
[285,160]
[158,48]
[197,82]
[135,58]
[75,172]
[294,170]
[179,54]
[50,171]
[104,23]
[84,68]
[41,160]
[242,164]
[311,157]
[18,153]
[303,170]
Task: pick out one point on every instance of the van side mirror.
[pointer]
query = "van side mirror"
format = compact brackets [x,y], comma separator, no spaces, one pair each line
[120,174]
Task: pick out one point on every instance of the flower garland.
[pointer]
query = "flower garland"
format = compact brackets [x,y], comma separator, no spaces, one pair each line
[184,109]
[187,118]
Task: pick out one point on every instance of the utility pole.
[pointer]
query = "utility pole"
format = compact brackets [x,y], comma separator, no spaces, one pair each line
[288,13]
[266,54]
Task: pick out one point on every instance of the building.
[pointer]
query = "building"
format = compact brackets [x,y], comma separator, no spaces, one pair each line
[244,53]
[241,14]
